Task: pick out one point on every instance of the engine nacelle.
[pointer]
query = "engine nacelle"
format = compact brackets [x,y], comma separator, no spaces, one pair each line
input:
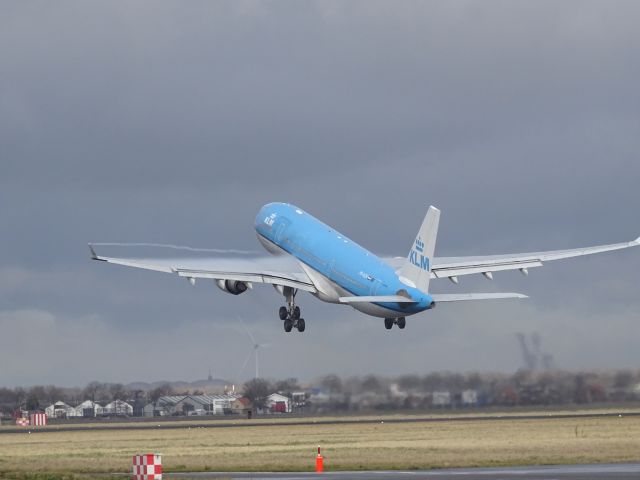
[234,287]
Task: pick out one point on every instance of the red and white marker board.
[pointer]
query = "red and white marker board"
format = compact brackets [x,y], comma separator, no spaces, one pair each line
[147,467]
[38,419]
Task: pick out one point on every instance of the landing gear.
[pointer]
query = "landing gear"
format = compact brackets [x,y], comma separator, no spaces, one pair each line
[400,321]
[288,325]
[291,312]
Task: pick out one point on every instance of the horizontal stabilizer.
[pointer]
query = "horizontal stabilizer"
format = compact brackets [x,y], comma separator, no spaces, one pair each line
[377,299]
[461,297]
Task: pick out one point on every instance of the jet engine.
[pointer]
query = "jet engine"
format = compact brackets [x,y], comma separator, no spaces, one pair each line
[234,287]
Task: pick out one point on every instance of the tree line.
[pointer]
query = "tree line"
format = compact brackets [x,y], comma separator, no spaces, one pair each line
[524,387]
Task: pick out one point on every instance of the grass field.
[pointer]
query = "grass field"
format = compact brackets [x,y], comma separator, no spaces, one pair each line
[346,447]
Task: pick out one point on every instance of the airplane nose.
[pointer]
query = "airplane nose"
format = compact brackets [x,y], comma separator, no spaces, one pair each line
[262,213]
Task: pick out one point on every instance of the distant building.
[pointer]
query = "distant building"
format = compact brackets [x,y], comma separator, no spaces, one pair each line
[164,406]
[319,396]
[441,399]
[298,399]
[241,405]
[60,410]
[469,398]
[191,405]
[277,403]
[221,404]
[88,409]
[118,408]
[396,393]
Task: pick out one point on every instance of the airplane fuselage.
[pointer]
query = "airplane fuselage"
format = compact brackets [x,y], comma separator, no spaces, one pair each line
[336,265]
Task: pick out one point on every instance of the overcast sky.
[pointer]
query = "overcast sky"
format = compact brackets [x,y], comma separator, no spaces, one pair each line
[173,122]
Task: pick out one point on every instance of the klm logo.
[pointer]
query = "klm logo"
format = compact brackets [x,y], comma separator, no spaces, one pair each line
[422,262]
[270,219]
[419,245]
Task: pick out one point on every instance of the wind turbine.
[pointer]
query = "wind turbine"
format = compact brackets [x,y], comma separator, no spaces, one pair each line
[254,351]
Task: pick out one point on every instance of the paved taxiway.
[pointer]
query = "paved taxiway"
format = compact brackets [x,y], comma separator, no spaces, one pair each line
[186,422]
[624,471]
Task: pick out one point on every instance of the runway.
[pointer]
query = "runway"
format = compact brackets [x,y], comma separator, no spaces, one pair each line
[187,422]
[624,471]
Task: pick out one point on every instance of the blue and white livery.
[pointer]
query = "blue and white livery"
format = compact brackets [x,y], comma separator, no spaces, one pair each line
[313,257]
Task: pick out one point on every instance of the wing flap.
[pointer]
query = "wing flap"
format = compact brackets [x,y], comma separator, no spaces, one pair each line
[454,271]
[272,278]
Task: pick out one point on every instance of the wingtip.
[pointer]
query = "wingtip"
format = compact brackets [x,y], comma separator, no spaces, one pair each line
[636,241]
[94,255]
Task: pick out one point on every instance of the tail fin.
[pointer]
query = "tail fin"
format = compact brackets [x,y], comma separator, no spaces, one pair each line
[416,271]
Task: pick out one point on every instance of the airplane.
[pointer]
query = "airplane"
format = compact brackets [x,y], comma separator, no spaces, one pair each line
[335,269]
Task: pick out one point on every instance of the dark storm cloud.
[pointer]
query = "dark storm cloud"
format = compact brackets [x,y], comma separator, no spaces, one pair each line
[166,122]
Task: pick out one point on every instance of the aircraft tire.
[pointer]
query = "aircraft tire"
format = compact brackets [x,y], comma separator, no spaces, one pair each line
[301,325]
[296,313]
[401,323]
[288,325]
[283,313]
[388,323]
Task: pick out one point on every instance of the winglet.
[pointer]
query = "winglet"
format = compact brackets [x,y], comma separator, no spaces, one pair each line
[94,255]
[636,241]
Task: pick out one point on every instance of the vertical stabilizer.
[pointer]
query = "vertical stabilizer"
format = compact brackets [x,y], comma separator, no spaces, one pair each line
[416,270]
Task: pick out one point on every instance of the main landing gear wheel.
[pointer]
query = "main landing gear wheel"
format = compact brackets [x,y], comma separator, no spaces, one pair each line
[400,321]
[291,312]
[300,324]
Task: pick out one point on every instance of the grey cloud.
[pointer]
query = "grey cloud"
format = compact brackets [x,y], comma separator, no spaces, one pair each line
[171,123]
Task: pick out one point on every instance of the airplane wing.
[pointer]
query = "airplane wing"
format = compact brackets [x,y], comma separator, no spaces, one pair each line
[270,270]
[453,267]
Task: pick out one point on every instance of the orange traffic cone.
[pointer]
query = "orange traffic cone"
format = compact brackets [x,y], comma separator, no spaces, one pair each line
[319,462]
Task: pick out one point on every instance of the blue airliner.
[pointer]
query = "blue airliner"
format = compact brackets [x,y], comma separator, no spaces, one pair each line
[335,269]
